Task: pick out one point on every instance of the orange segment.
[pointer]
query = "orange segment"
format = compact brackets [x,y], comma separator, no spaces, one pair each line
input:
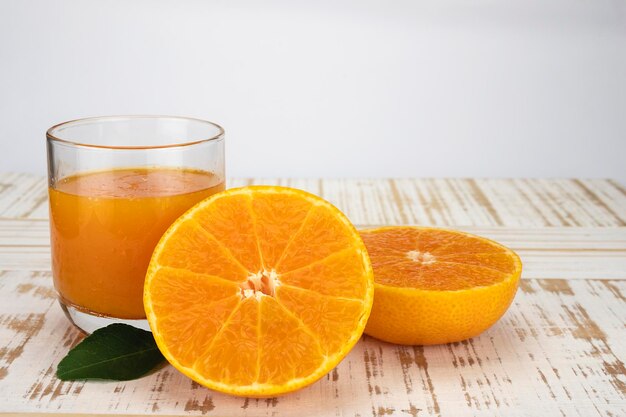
[229,221]
[193,249]
[231,358]
[321,235]
[337,275]
[191,330]
[176,285]
[455,277]
[437,286]
[289,351]
[258,291]
[498,261]
[191,325]
[330,319]
[281,214]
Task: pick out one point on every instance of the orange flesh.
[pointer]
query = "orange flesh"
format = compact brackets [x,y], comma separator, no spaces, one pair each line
[104,226]
[259,291]
[435,259]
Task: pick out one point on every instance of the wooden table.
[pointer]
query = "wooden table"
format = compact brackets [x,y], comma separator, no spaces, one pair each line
[560,349]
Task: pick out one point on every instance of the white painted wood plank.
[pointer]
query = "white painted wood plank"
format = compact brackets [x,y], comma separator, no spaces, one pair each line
[23,195]
[560,350]
[535,203]
[608,194]
[437,202]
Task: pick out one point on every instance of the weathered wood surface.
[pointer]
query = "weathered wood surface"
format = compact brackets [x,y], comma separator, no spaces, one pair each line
[559,350]
[436,202]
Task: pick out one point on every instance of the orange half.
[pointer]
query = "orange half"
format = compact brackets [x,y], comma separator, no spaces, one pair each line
[437,286]
[258,291]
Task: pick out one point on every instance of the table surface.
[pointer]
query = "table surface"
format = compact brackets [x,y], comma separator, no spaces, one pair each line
[559,350]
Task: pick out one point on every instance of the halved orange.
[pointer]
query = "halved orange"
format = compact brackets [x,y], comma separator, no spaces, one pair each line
[437,286]
[258,291]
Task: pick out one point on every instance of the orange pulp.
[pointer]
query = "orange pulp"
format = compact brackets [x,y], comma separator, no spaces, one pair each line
[103,229]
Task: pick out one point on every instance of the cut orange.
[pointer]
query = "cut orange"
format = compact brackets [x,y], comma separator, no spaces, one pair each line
[258,291]
[437,286]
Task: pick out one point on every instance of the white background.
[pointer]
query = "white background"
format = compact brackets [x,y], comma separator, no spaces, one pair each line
[518,88]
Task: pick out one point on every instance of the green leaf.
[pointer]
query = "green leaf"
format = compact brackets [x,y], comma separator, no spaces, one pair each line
[117,352]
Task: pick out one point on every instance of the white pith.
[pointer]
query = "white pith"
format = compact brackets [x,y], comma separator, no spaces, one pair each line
[261,284]
[424,258]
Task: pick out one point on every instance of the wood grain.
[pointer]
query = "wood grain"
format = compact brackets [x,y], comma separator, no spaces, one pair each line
[437,202]
[559,350]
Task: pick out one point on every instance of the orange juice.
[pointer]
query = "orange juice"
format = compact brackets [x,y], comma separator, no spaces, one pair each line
[104,226]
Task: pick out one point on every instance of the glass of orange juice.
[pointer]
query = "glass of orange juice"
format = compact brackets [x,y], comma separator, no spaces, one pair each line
[115,185]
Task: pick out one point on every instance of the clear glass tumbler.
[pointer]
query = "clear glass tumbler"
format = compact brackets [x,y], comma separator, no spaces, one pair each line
[115,185]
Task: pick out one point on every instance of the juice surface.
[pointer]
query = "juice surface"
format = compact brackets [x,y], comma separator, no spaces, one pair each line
[104,226]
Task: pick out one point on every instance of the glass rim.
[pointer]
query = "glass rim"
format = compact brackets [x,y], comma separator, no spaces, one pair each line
[50,133]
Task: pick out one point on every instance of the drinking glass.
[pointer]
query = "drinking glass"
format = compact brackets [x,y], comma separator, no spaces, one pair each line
[115,185]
